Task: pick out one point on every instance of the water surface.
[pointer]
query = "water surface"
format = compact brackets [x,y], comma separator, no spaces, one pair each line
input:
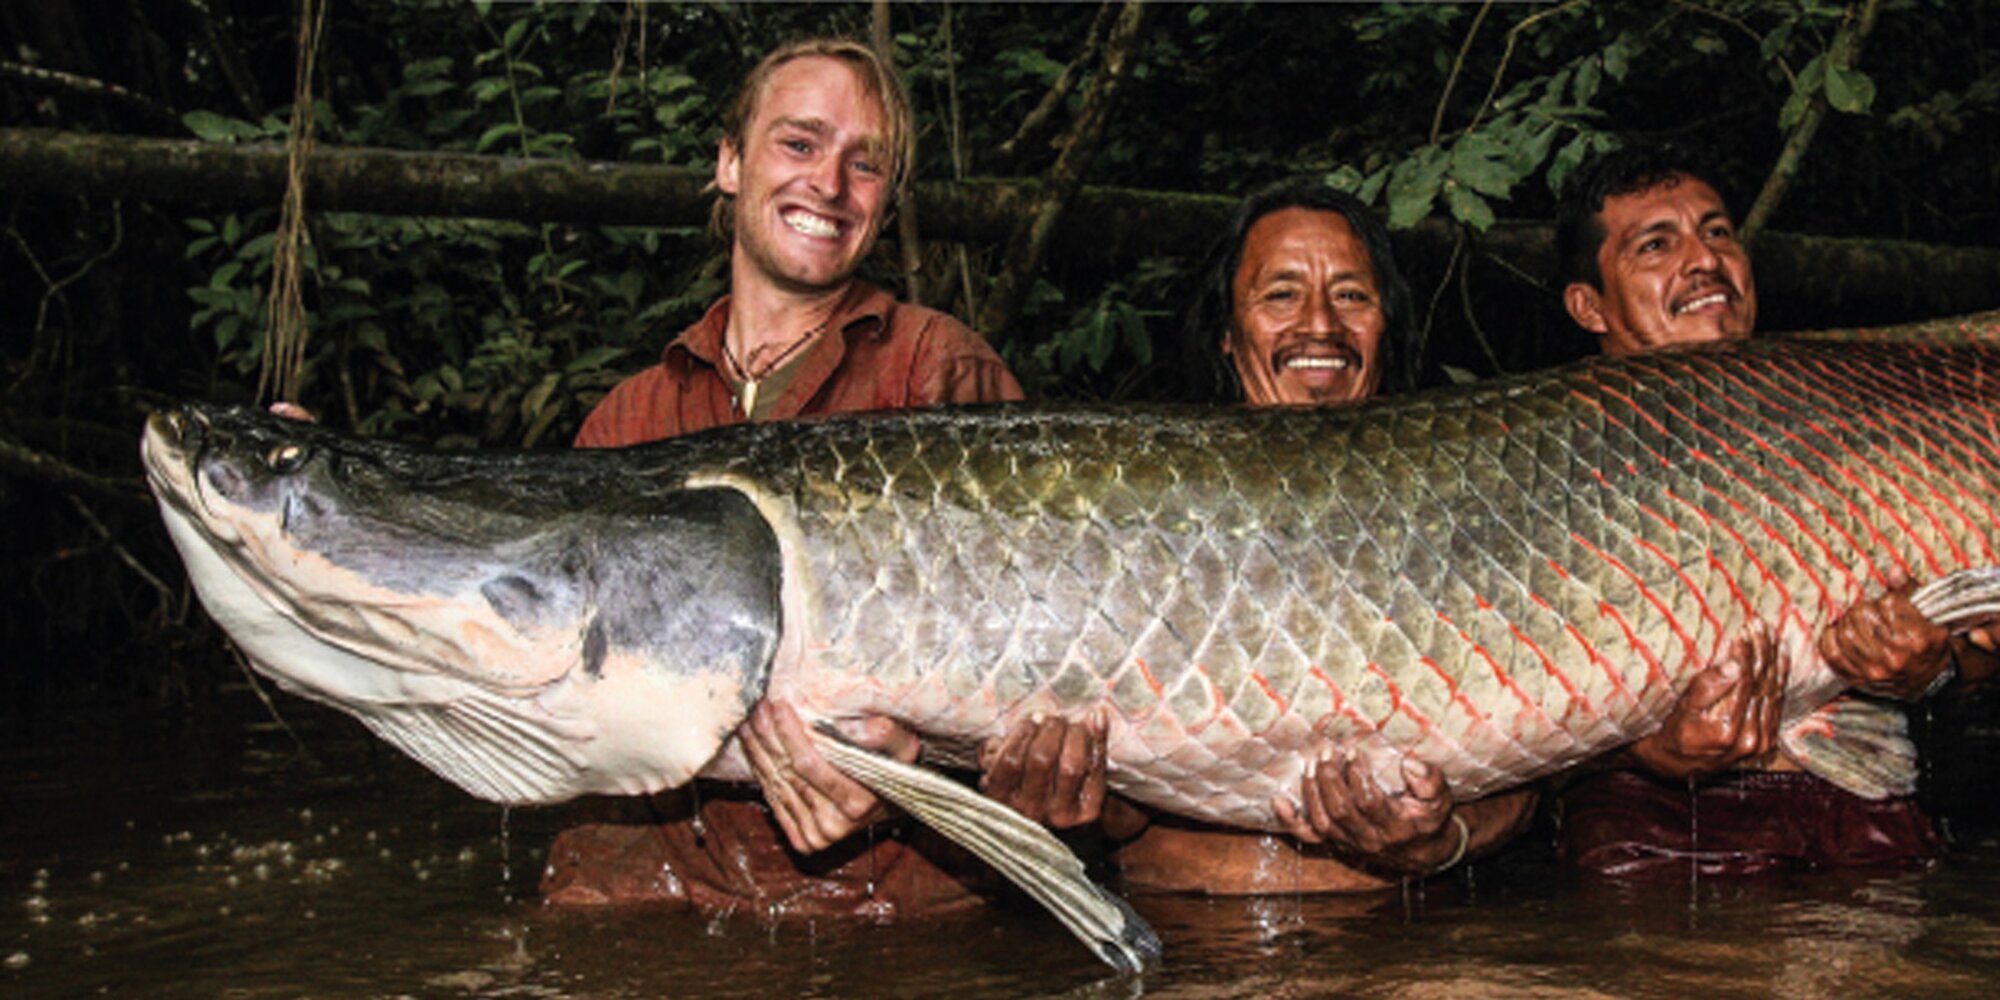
[157,858]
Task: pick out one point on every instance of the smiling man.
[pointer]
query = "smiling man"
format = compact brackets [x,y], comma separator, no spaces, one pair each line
[1650,260]
[816,149]
[1649,254]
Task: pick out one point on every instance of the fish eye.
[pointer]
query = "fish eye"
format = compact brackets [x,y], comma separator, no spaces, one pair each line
[285,458]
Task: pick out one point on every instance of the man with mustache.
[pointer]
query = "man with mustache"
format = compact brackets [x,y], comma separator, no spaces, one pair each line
[816,148]
[1650,259]
[1301,304]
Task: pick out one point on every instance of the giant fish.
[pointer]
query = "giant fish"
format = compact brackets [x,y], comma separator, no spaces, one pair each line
[1499,580]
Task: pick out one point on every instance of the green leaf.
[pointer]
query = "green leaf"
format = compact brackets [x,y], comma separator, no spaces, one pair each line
[1849,90]
[1618,59]
[1709,45]
[515,32]
[216,128]
[1468,207]
[1345,179]
[1566,160]
[1588,76]
[200,225]
[594,359]
[1480,163]
[495,134]
[232,229]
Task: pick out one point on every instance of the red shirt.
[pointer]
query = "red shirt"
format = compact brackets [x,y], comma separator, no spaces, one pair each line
[878,354]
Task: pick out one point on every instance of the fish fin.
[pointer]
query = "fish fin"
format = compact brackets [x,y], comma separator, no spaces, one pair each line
[1960,598]
[1858,744]
[1018,848]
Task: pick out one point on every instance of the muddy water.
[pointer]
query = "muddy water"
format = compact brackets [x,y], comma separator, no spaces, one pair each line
[154,860]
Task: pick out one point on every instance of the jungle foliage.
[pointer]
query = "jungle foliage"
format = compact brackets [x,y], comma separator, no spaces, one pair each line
[477,332]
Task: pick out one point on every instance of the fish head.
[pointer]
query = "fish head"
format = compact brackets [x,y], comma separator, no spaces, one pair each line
[532,627]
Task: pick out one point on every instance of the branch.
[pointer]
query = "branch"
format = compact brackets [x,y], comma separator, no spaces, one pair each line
[1036,124]
[17,459]
[1844,52]
[152,112]
[909,244]
[1025,248]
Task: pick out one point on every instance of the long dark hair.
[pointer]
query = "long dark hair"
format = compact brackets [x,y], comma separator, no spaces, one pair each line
[1209,376]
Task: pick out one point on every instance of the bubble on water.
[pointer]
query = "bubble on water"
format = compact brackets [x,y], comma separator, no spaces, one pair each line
[97,878]
[385,854]
[87,920]
[223,910]
[124,866]
[232,881]
[36,904]
[306,815]
[262,871]
[467,855]
[18,960]
[310,915]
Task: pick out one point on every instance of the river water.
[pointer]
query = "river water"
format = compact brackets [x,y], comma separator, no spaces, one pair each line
[147,857]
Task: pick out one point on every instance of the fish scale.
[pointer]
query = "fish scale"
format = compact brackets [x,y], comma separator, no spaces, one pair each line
[1496,580]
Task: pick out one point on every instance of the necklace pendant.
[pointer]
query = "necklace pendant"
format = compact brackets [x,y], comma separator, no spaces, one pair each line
[747,399]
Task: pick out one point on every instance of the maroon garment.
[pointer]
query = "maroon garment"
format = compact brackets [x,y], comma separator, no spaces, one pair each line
[647,850]
[1629,825]
[877,354]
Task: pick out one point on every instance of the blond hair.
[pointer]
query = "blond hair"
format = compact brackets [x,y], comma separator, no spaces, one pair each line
[878,80]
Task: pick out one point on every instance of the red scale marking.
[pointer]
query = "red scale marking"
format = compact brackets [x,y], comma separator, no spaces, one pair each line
[1700,599]
[1793,400]
[1397,704]
[1687,643]
[1798,521]
[1271,693]
[1654,675]
[1598,658]
[1766,447]
[1452,686]
[1151,681]
[1902,430]
[1340,704]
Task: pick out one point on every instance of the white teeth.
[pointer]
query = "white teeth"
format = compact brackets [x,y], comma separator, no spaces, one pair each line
[1337,364]
[1713,299]
[811,225]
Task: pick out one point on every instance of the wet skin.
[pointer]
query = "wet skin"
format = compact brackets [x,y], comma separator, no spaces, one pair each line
[1672,272]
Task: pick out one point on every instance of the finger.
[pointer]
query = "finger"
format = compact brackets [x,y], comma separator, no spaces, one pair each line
[1001,779]
[839,803]
[1090,800]
[1075,763]
[774,776]
[1323,800]
[1290,819]
[1039,777]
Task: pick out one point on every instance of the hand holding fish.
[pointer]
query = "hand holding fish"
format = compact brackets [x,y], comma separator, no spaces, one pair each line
[1049,769]
[1406,831]
[1887,647]
[815,804]
[1728,717]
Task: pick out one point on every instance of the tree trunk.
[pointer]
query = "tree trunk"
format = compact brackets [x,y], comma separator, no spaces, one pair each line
[1032,235]
[1831,280]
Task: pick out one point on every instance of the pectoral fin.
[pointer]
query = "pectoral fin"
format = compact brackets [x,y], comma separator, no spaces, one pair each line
[1027,854]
